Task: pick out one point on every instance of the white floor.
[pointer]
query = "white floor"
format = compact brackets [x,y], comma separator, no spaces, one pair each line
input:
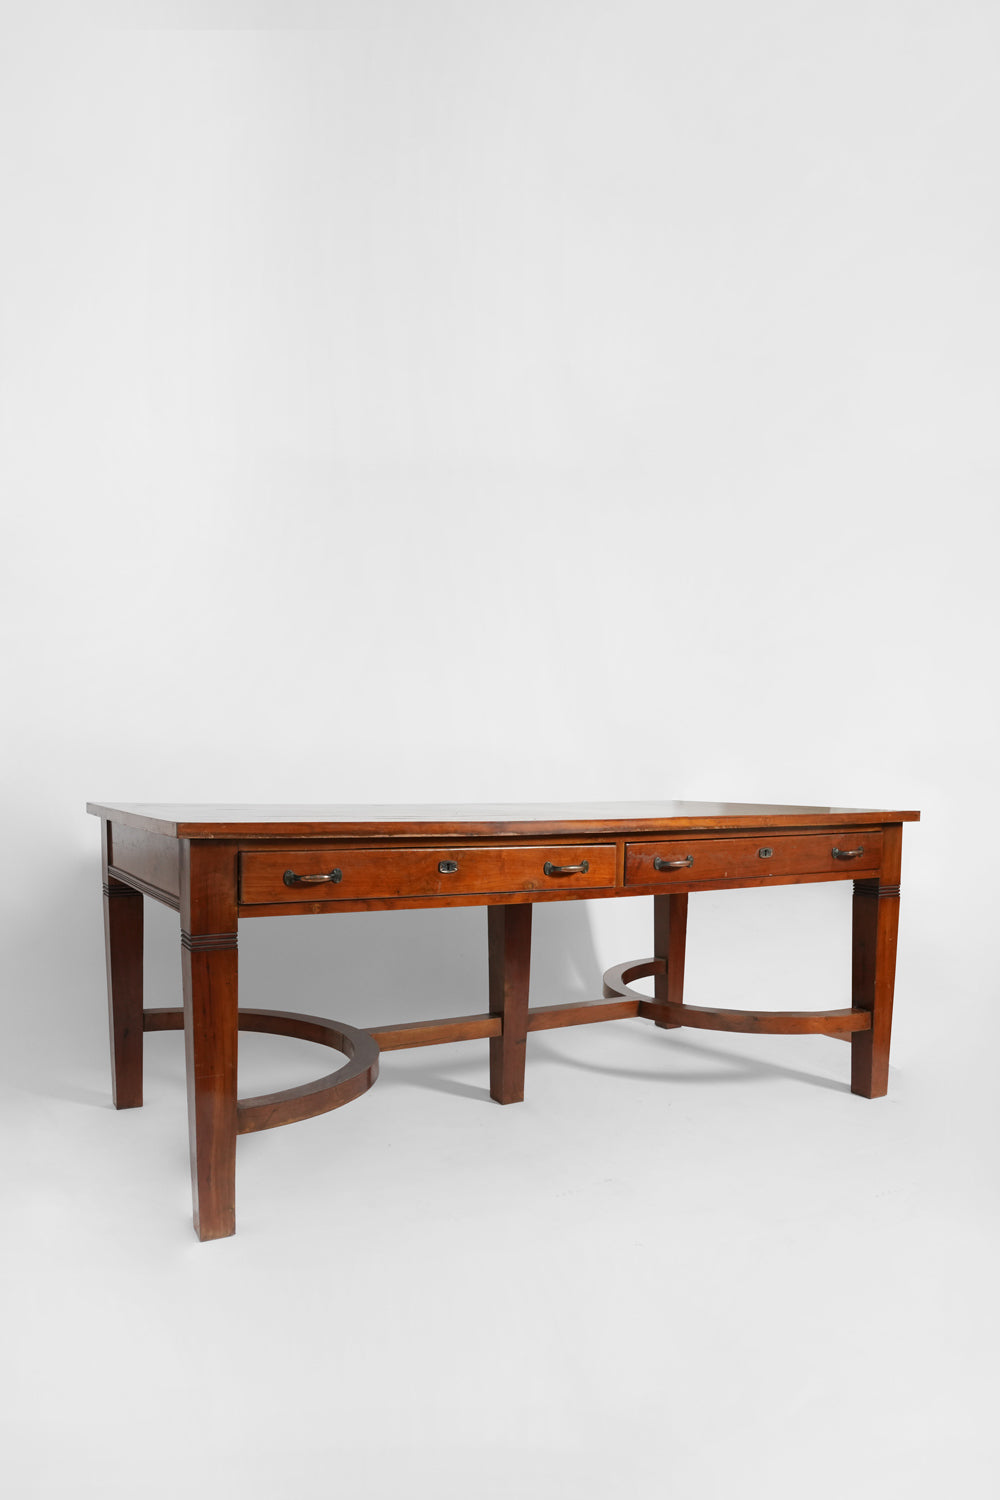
[688,1265]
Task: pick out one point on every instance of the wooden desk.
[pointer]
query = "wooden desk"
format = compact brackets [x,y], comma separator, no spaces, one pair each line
[215,864]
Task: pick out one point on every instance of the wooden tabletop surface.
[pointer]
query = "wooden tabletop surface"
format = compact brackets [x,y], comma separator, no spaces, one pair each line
[222,820]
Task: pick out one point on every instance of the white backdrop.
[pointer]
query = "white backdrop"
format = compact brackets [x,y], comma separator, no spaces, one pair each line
[502,401]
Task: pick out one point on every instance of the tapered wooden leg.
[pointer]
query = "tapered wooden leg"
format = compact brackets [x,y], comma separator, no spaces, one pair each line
[670,915]
[510,965]
[211,1019]
[873,972]
[123,953]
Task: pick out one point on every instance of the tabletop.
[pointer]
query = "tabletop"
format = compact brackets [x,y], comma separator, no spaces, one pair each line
[223,820]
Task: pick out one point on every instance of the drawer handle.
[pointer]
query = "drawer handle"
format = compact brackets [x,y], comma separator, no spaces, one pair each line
[580,869]
[848,853]
[673,864]
[290,878]
[448,867]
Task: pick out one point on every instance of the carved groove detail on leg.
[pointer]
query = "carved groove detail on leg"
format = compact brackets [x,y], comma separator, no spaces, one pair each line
[207,942]
[871,890]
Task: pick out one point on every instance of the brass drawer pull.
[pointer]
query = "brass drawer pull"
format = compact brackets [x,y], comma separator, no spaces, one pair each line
[580,869]
[673,864]
[290,878]
[847,853]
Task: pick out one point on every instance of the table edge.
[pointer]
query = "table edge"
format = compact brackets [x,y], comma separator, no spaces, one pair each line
[489,828]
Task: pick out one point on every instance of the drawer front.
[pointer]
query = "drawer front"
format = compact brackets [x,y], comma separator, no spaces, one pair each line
[266,876]
[757,857]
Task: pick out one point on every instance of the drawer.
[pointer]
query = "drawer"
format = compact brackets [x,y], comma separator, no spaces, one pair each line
[266,876]
[762,855]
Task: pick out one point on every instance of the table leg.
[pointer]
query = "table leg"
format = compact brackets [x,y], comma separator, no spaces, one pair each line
[875,925]
[123,953]
[211,1019]
[510,964]
[670,915]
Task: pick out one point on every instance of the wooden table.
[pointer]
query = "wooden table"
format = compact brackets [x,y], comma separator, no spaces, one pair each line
[215,864]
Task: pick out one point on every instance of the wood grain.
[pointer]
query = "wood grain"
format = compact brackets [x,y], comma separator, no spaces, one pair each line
[743,858]
[397,871]
[286,1106]
[123,941]
[153,858]
[790,1022]
[510,898]
[579,1013]
[431,1033]
[218,820]
[509,942]
[670,914]
[875,927]
[305,1100]
[210,980]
